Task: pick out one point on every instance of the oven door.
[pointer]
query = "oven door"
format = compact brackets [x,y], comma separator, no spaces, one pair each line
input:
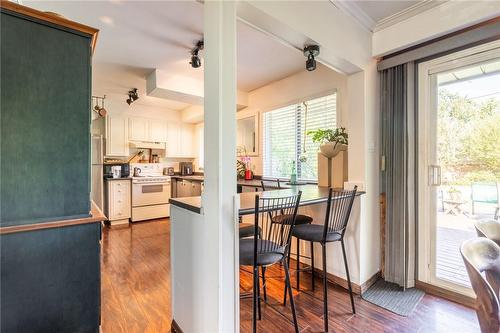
[150,194]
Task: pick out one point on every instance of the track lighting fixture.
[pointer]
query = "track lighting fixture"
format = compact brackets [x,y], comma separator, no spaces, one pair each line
[311,51]
[195,59]
[132,96]
[99,109]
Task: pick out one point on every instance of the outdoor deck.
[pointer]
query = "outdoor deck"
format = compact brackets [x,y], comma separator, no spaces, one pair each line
[452,230]
[449,263]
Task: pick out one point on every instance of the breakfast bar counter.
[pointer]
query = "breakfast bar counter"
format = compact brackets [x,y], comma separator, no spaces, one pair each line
[311,194]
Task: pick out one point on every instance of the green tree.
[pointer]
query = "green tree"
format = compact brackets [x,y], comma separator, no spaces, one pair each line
[468,138]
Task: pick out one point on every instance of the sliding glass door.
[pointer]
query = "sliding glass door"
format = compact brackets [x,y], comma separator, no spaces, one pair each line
[459,159]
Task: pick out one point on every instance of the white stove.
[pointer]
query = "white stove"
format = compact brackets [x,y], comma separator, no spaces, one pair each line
[150,194]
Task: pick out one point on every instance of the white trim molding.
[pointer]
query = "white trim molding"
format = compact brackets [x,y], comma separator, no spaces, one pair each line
[351,8]
[405,14]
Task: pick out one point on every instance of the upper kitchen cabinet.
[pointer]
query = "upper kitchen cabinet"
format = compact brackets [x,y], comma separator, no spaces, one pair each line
[150,130]
[158,131]
[180,140]
[116,136]
[138,129]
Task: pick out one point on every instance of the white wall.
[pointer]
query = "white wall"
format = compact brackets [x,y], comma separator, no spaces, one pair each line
[293,89]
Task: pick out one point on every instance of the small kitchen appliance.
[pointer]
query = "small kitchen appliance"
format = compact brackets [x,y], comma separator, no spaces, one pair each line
[124,169]
[186,168]
[116,171]
[169,171]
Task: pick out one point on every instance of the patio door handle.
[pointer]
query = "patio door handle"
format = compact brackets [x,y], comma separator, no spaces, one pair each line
[434,175]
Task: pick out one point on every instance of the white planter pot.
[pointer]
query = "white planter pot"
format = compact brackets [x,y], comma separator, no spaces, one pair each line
[329,149]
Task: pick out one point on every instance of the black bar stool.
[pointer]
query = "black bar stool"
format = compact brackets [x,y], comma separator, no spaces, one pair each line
[299,220]
[337,216]
[272,245]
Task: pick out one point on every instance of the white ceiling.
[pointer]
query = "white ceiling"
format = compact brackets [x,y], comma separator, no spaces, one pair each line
[137,37]
[379,9]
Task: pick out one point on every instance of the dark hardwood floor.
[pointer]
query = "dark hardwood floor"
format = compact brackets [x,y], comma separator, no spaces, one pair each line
[136,295]
[135,278]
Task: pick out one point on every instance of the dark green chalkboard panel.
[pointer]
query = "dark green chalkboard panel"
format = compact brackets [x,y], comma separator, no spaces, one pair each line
[45,121]
[50,280]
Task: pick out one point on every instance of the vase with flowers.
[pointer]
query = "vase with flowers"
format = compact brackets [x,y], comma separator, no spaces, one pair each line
[243,164]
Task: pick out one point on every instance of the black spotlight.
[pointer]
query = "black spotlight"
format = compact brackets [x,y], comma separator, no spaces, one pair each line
[310,52]
[132,96]
[195,59]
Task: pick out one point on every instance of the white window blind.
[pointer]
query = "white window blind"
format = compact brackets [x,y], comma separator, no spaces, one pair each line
[285,138]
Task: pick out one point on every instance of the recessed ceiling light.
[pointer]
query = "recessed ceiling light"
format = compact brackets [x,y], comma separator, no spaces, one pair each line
[107,20]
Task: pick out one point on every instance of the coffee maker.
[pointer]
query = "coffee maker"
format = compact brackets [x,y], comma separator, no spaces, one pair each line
[186,168]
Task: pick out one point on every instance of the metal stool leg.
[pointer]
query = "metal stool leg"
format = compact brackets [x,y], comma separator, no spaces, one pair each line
[259,312]
[264,288]
[298,265]
[255,281]
[312,266]
[348,277]
[325,290]
[292,303]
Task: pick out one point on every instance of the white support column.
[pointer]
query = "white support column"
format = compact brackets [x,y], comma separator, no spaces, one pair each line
[220,152]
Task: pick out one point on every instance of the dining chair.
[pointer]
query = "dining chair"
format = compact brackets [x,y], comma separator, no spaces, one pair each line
[489,229]
[338,211]
[482,261]
[272,246]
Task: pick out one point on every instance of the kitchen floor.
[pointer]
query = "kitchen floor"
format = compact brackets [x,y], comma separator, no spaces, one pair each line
[136,294]
[135,283]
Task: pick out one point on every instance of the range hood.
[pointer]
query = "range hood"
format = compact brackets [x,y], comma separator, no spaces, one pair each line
[147,145]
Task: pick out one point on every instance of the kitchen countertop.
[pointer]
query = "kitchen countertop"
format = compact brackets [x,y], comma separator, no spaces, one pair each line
[311,194]
[240,182]
[121,178]
[190,177]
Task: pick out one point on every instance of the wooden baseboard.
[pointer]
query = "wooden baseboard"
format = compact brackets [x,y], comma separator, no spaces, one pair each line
[368,283]
[446,294]
[356,288]
[175,328]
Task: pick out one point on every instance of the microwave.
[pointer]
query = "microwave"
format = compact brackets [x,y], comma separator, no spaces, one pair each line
[108,173]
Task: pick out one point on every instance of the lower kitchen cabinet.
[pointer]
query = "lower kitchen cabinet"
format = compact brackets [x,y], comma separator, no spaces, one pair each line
[187,188]
[118,203]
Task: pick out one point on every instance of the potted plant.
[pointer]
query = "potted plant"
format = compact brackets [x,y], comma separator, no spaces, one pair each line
[333,141]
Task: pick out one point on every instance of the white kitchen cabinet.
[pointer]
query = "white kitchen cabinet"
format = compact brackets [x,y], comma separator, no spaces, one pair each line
[180,140]
[116,136]
[157,131]
[138,129]
[173,137]
[118,203]
[144,129]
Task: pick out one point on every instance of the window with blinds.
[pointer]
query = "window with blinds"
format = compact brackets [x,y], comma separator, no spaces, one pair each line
[285,139]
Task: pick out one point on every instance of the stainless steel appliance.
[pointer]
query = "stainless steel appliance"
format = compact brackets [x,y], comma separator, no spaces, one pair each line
[97,186]
[169,171]
[186,168]
[108,169]
[150,194]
